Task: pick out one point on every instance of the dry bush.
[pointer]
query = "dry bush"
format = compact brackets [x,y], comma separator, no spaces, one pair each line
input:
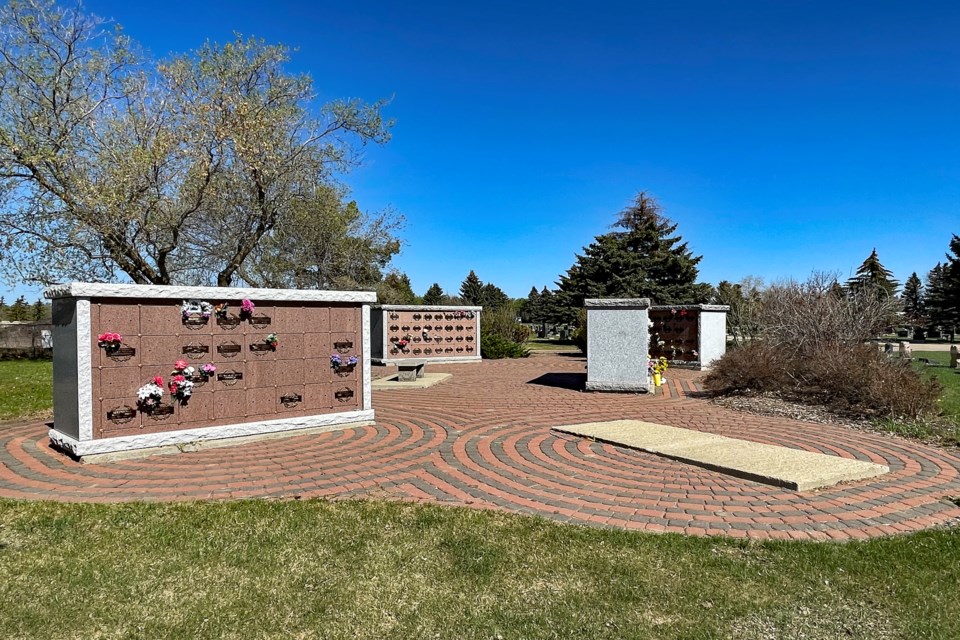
[811,348]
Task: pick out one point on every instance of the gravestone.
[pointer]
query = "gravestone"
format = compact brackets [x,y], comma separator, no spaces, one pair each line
[617,344]
[905,350]
[953,357]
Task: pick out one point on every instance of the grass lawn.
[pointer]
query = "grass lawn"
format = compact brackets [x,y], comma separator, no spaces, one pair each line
[314,569]
[26,388]
[949,378]
[546,344]
[947,430]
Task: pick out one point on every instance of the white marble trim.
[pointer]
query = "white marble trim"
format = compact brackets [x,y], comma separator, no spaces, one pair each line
[101,290]
[422,307]
[365,336]
[85,398]
[419,361]
[146,441]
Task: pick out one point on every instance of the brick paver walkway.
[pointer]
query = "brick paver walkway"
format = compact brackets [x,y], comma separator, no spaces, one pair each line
[483,439]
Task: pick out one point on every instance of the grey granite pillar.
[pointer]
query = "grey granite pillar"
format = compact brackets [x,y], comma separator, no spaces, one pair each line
[618,338]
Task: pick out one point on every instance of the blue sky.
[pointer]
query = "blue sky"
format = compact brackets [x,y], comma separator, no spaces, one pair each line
[781,136]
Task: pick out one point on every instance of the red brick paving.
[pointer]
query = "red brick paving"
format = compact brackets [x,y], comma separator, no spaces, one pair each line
[483,439]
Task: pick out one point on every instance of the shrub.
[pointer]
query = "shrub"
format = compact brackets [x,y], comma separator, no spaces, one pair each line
[579,336]
[502,336]
[847,378]
[494,347]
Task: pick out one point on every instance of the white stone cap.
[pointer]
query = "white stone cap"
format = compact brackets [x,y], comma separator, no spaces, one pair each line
[423,307]
[617,303]
[691,307]
[173,292]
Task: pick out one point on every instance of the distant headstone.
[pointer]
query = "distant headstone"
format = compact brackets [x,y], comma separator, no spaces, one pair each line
[905,350]
[888,348]
[953,357]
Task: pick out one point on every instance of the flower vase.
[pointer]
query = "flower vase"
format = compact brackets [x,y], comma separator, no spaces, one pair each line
[657,380]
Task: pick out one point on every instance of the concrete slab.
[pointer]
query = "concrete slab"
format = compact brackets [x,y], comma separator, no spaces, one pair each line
[393,382]
[769,464]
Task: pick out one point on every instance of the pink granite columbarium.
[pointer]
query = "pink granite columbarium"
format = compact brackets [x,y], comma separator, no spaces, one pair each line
[255,372]
[411,336]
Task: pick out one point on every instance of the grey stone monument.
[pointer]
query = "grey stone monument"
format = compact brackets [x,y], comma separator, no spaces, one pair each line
[953,357]
[617,344]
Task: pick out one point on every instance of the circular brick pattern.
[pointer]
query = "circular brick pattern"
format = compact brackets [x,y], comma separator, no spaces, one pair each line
[483,439]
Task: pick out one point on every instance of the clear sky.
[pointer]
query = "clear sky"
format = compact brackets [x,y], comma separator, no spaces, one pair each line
[782,136]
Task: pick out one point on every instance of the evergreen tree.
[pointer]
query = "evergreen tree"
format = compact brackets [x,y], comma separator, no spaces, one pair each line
[3,308]
[948,289]
[531,307]
[873,274]
[493,297]
[471,290]
[396,289]
[39,311]
[20,310]
[912,298]
[642,259]
[434,295]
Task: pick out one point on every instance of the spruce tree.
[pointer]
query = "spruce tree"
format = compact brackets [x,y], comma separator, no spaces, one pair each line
[20,310]
[949,288]
[434,294]
[912,298]
[531,306]
[493,297]
[872,274]
[471,290]
[396,289]
[3,308]
[39,311]
[643,259]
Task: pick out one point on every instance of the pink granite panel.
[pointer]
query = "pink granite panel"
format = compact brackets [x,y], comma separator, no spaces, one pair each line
[163,318]
[261,403]
[256,349]
[261,320]
[292,372]
[344,319]
[289,318]
[118,383]
[229,403]
[290,346]
[318,397]
[230,348]
[114,415]
[260,374]
[197,409]
[195,349]
[230,375]
[290,399]
[317,346]
[161,350]
[116,317]
[346,395]
[316,318]
[128,355]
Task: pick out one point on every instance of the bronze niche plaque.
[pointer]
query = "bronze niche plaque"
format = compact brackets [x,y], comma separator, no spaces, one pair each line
[260,321]
[122,353]
[228,322]
[343,395]
[343,347]
[260,348]
[230,378]
[195,320]
[160,412]
[195,351]
[229,349]
[121,415]
[291,400]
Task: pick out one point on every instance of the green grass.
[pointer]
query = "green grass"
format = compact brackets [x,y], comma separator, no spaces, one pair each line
[26,388]
[944,430]
[546,344]
[949,378]
[312,569]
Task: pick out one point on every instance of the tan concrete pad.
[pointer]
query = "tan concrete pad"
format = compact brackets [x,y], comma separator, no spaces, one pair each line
[392,382]
[769,464]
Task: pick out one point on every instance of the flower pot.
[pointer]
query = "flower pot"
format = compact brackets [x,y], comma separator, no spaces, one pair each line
[657,380]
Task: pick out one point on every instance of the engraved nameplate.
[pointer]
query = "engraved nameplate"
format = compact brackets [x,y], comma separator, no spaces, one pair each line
[195,350]
[230,377]
[343,394]
[195,321]
[230,322]
[229,349]
[291,399]
[121,354]
[260,347]
[343,347]
[260,321]
[121,415]
[160,412]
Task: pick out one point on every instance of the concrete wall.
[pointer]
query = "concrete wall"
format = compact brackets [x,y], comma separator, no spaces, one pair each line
[617,342]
